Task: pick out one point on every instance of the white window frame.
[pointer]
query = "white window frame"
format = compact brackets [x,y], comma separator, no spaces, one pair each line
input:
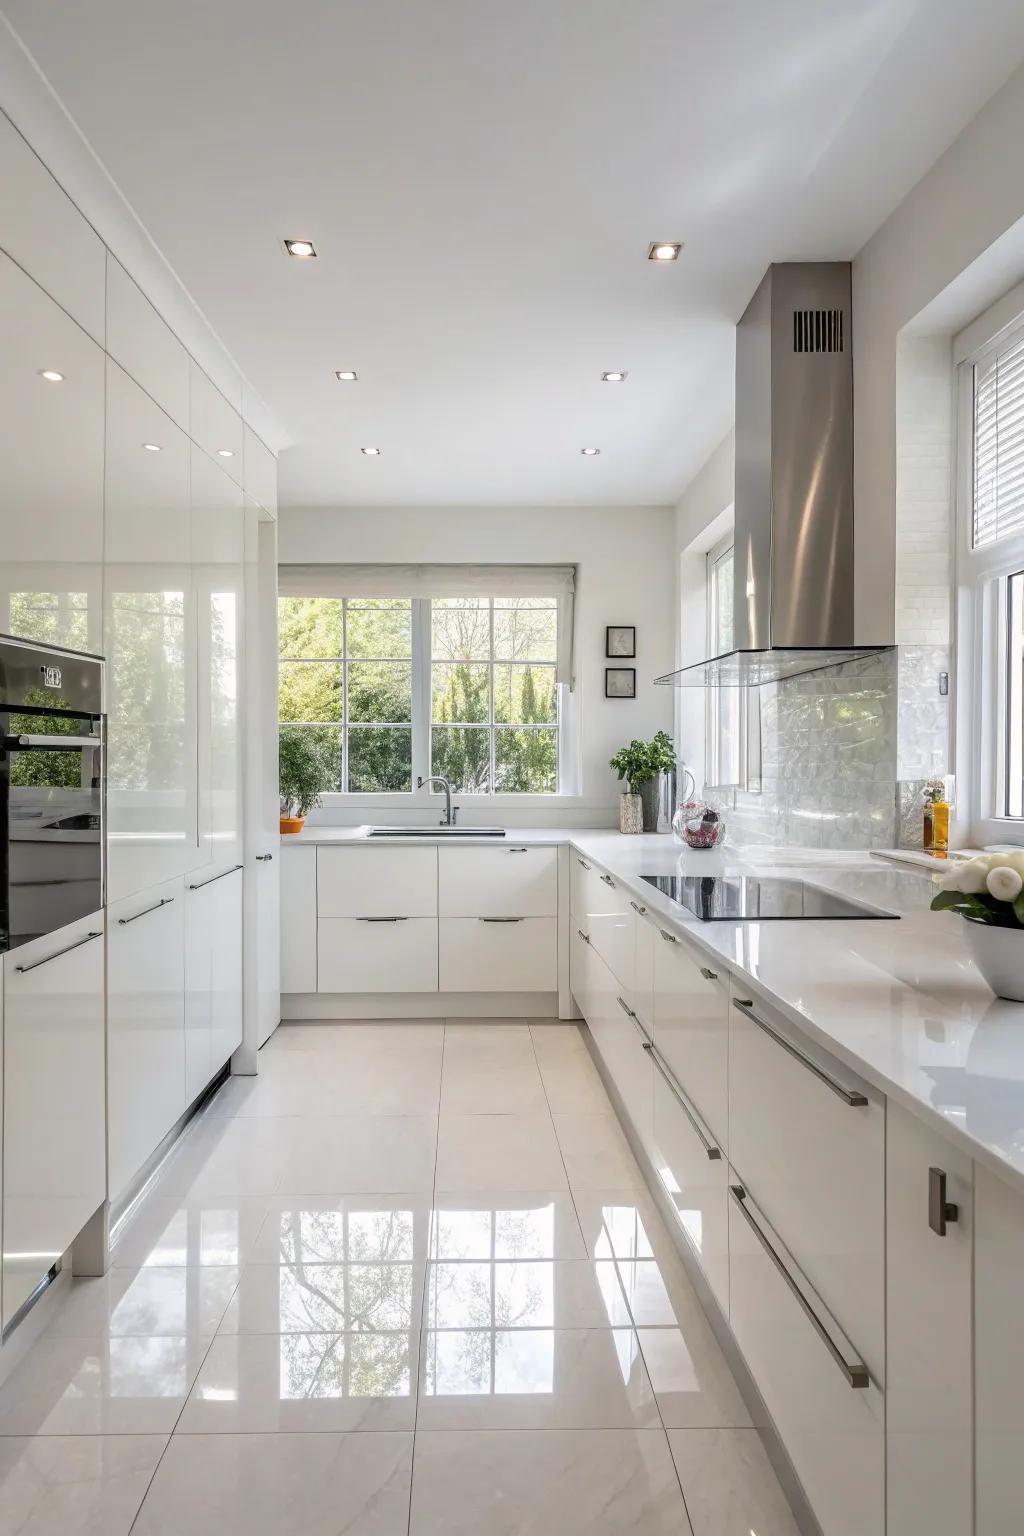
[748,721]
[982,576]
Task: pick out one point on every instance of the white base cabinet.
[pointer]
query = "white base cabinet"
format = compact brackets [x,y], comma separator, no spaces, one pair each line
[377,954]
[54,1082]
[498,954]
[999,1355]
[298,916]
[213,976]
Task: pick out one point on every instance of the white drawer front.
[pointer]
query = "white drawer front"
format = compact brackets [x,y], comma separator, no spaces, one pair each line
[298,917]
[621,1044]
[506,881]
[357,955]
[695,1175]
[833,1431]
[477,955]
[691,1028]
[601,907]
[377,882]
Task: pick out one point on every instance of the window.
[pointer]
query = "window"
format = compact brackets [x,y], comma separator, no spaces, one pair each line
[723,704]
[998,479]
[469,687]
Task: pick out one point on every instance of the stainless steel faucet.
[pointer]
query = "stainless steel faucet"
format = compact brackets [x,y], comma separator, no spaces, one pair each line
[450,813]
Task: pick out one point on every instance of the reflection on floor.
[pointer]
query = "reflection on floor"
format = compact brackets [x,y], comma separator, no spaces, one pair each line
[406,1282]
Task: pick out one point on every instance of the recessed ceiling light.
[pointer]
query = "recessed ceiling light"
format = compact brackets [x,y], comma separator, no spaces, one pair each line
[371,453]
[301,248]
[664,250]
[590,453]
[346,375]
[226,453]
[151,447]
[51,375]
[615,377]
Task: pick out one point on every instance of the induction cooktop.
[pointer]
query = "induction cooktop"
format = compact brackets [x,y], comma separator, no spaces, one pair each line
[753,899]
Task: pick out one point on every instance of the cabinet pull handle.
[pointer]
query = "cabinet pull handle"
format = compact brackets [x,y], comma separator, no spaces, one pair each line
[517,850]
[634,1018]
[584,936]
[856,1373]
[24,969]
[849,1096]
[708,975]
[166,901]
[608,881]
[669,938]
[264,858]
[501,919]
[200,884]
[940,1210]
[713,1152]
[583,862]
[638,909]
[382,919]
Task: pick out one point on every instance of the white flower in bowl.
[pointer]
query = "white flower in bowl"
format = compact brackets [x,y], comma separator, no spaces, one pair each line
[1004,882]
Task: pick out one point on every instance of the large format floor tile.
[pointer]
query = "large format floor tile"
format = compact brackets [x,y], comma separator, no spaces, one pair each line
[690,1377]
[354,1154]
[72,1386]
[333,1229]
[494,1152]
[728,1483]
[505,1225]
[149,1301]
[487,1087]
[79,1485]
[607,1482]
[280,1485]
[165,1232]
[596,1152]
[572,1084]
[351,1083]
[569,1293]
[326,1298]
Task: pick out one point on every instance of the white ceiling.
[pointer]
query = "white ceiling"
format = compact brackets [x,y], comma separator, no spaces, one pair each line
[482,179]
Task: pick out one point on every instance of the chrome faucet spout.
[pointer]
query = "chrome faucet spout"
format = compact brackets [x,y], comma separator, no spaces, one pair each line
[438,778]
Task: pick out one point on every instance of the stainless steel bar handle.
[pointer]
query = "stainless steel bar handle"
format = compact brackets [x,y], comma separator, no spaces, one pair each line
[166,901]
[223,874]
[669,938]
[583,862]
[24,969]
[584,936]
[60,743]
[264,858]
[516,850]
[714,1153]
[638,909]
[855,1371]
[849,1096]
[501,919]
[634,1018]
[708,974]
[608,881]
[382,919]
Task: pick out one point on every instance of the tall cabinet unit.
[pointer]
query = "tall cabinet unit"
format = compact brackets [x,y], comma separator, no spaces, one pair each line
[262,893]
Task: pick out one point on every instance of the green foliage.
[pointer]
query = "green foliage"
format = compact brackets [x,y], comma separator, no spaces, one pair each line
[642,761]
[981,908]
[46,770]
[305,770]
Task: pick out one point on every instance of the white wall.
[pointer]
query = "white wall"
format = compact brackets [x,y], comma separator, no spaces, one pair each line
[624,557]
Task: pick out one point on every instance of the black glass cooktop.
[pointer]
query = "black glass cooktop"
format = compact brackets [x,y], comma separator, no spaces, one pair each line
[748,898]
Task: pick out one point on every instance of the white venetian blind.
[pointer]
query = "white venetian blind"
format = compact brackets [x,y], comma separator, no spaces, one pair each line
[999,444]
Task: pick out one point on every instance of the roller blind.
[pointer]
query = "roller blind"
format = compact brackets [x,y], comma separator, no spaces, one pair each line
[463,580]
[999,444]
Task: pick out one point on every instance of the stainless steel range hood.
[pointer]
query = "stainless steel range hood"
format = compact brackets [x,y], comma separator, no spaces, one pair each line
[793,566]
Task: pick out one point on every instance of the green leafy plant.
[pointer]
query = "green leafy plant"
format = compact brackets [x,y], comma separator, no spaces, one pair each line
[305,771]
[988,889]
[642,761]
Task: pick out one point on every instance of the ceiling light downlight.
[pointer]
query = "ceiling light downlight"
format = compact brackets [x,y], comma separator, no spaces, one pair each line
[346,375]
[51,376]
[151,447]
[371,453]
[225,453]
[617,376]
[305,250]
[590,453]
[664,250]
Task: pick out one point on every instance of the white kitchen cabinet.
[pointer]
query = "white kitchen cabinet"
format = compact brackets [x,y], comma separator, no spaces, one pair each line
[54,1143]
[213,975]
[259,471]
[506,881]
[377,882]
[214,423]
[929,1475]
[226,970]
[602,908]
[832,1429]
[641,992]
[999,1355]
[298,916]
[377,954]
[620,1038]
[808,1138]
[691,1028]
[145,345]
[145,1027]
[51,448]
[262,897]
[498,954]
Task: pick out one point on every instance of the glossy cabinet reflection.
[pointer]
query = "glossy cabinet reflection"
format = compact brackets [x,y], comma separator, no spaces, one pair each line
[213,975]
[51,448]
[54,1153]
[149,643]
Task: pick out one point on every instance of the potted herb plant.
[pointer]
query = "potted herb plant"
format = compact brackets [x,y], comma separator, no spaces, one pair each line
[305,771]
[988,893]
[642,766]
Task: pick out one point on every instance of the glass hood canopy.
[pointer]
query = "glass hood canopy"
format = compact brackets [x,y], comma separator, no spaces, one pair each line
[749,669]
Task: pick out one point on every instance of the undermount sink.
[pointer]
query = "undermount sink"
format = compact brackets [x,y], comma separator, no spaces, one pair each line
[438,831]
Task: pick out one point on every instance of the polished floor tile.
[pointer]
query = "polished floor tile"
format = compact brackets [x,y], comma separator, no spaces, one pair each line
[79,1485]
[603,1482]
[166,1232]
[73,1386]
[690,1377]
[569,1293]
[280,1485]
[350,1083]
[495,1152]
[304,1382]
[218,1156]
[585,1378]
[355,1154]
[148,1301]
[513,1225]
[596,1152]
[484,1087]
[572,1084]
[621,1224]
[557,1042]
[728,1483]
[326,1298]
[335,1229]
[658,1292]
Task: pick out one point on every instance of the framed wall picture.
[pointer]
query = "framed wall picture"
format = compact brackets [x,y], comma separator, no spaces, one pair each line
[619,640]
[620,682]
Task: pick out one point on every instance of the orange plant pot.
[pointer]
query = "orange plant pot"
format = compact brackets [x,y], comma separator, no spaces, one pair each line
[292,824]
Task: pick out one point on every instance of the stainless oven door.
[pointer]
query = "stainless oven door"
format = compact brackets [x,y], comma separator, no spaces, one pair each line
[51,807]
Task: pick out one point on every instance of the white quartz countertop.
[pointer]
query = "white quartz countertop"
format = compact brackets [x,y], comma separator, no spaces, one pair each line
[902,1003]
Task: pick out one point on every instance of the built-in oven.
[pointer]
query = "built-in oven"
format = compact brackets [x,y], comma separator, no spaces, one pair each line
[51,789]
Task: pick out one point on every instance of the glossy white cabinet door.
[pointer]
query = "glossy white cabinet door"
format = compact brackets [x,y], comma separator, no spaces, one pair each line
[54,1137]
[377,882]
[149,643]
[46,235]
[267,896]
[834,1432]
[214,423]
[809,1138]
[362,955]
[200,938]
[145,1027]
[479,954]
[691,1027]
[226,969]
[298,916]
[260,471]
[928,1335]
[262,907]
[695,1176]
[145,345]
[641,994]
[602,908]
[620,1039]
[999,1354]
[509,881]
[51,449]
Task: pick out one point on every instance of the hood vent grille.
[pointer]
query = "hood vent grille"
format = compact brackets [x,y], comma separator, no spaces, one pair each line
[817,330]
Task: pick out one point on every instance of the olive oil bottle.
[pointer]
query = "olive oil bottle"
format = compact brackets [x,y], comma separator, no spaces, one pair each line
[936,819]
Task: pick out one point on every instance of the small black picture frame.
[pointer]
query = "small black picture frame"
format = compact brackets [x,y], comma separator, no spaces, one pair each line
[620,682]
[620,641]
